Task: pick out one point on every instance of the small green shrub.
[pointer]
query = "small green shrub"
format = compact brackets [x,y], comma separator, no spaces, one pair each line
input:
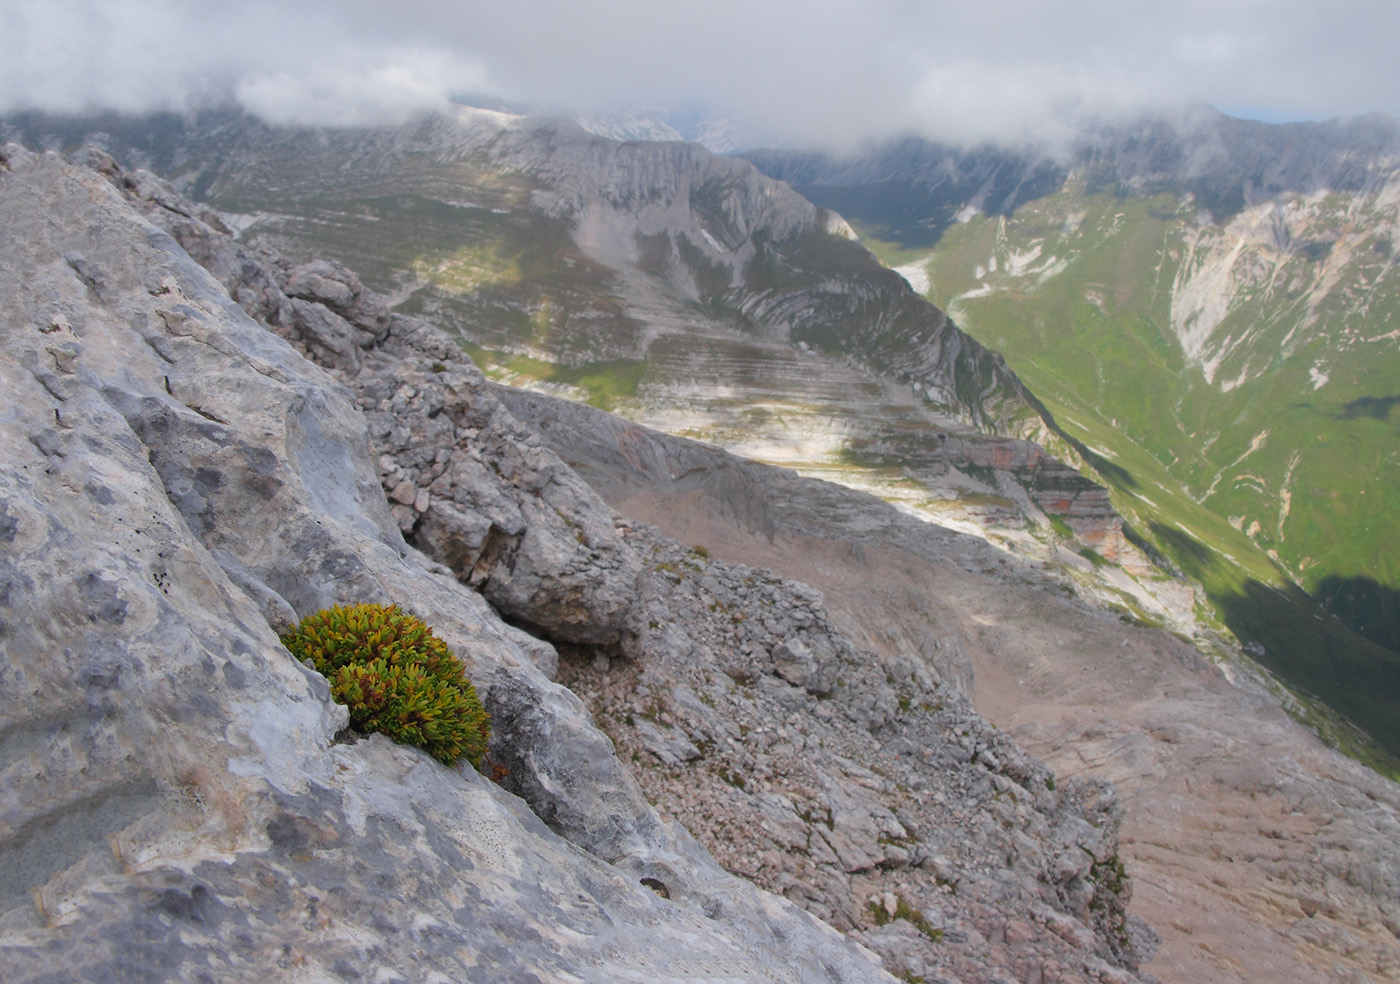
[1062,529]
[396,677]
[903,910]
[1093,557]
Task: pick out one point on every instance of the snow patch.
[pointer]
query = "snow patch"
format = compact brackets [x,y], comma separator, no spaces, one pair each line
[1016,263]
[916,276]
[1319,378]
[714,243]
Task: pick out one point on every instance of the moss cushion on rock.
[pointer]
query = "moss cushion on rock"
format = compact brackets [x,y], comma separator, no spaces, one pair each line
[396,677]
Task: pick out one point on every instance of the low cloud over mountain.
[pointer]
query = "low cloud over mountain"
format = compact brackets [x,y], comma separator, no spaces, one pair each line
[828,71]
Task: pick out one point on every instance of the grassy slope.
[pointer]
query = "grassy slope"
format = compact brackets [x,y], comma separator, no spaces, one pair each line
[505,277]
[1086,323]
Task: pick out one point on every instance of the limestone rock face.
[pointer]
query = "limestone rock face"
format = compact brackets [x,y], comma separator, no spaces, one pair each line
[465,481]
[178,484]
[718,228]
[691,656]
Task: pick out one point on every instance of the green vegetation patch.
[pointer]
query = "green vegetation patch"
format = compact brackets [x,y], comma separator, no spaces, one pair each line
[903,910]
[606,384]
[396,678]
[1265,474]
[469,268]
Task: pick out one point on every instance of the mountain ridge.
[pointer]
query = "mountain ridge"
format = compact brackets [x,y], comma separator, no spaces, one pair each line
[398,434]
[633,181]
[1177,295]
[659,278]
[710,604]
[410,384]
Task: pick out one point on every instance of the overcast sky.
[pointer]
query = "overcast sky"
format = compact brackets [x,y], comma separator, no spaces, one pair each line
[816,71]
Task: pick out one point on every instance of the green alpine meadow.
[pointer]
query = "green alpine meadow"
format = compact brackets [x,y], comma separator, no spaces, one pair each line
[1211,318]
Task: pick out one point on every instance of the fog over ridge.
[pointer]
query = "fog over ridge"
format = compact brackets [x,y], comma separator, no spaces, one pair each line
[821,72]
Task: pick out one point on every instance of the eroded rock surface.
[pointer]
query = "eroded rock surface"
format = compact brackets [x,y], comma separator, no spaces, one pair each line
[1258,853]
[178,484]
[979,866]
[856,785]
[465,481]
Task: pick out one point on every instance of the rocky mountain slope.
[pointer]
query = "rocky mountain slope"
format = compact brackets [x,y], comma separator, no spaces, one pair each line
[833,732]
[1206,305]
[179,802]
[536,236]
[1253,849]
[681,289]
[1323,846]
[182,801]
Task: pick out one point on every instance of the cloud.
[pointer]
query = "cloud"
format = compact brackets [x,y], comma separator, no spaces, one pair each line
[386,87]
[821,71]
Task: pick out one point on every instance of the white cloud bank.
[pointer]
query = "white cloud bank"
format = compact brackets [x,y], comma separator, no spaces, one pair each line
[825,71]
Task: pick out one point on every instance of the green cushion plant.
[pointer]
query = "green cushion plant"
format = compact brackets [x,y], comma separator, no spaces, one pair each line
[396,677]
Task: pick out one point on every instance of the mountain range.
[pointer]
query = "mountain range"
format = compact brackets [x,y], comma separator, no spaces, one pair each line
[816,742]
[1207,307]
[681,288]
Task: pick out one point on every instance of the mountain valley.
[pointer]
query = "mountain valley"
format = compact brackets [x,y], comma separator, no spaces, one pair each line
[678,288]
[686,292]
[818,741]
[1205,306]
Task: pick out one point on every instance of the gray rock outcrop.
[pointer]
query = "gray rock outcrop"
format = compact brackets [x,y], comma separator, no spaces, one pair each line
[179,483]
[857,786]
[868,794]
[465,481]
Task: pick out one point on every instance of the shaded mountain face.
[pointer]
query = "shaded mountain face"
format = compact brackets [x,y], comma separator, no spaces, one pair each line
[1209,307]
[908,192]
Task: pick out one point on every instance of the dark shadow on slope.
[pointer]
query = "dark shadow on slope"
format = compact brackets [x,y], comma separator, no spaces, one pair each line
[1365,606]
[1292,635]
[1114,475]
[1194,557]
[893,211]
[1375,407]
[1319,655]
[908,191]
